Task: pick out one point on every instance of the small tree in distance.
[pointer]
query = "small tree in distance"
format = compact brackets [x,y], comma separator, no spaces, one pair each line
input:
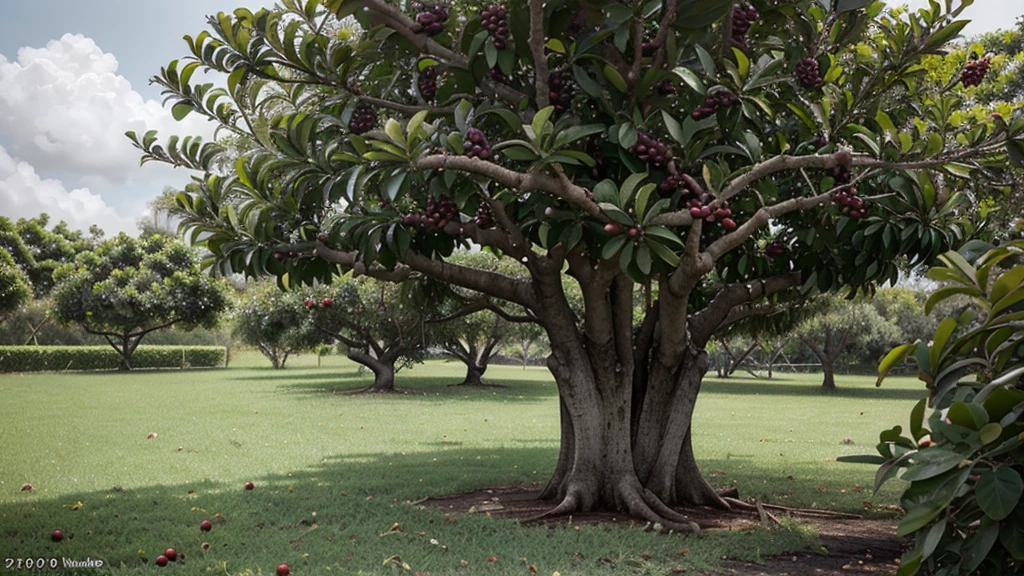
[709,156]
[380,323]
[15,289]
[276,323]
[126,288]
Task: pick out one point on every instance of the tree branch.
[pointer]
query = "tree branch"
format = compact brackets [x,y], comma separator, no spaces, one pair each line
[523,181]
[540,60]
[668,17]
[707,321]
[483,281]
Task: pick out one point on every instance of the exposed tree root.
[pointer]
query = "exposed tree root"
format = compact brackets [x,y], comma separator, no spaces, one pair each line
[639,503]
[795,511]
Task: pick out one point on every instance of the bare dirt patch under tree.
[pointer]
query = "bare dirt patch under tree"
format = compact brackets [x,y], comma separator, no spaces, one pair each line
[849,545]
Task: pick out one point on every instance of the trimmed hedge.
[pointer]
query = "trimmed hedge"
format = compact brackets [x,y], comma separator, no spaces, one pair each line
[56,358]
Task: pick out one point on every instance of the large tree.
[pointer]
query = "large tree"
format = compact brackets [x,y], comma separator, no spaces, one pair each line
[127,288]
[276,323]
[666,148]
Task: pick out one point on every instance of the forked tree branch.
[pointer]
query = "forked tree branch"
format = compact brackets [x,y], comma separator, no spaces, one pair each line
[707,321]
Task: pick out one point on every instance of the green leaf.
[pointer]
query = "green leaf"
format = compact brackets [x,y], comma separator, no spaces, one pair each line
[179,111]
[629,187]
[945,34]
[863,459]
[612,247]
[540,119]
[990,432]
[555,45]
[642,257]
[664,252]
[742,62]
[931,462]
[674,128]
[998,492]
[707,62]
[1011,533]
[851,5]
[690,79]
[932,539]
[895,356]
[942,334]
[615,78]
[642,198]
[968,415]
[977,547]
[922,514]
[394,131]
[917,418]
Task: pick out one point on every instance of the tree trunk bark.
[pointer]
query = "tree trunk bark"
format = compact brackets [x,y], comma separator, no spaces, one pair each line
[829,379]
[474,375]
[383,371]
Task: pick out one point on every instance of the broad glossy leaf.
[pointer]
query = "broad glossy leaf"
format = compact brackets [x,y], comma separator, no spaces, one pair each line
[998,492]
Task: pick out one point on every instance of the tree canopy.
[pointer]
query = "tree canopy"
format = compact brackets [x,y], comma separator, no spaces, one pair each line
[696,157]
[276,323]
[126,288]
[15,288]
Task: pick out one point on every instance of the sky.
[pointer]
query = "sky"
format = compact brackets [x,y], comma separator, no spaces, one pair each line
[74,77]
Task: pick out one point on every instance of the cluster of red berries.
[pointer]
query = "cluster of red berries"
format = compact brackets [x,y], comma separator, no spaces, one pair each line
[650,150]
[311,304]
[852,205]
[774,249]
[712,102]
[484,216]
[431,17]
[440,214]
[675,182]
[363,120]
[665,87]
[743,15]
[560,86]
[494,19]
[974,72]
[700,208]
[808,74]
[427,83]
[291,254]
[476,144]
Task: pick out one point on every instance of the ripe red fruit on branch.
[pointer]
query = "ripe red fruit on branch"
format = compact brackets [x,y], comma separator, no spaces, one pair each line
[729,224]
[743,14]
[613,228]
[494,19]
[808,75]
[651,151]
[974,72]
[363,120]
[431,17]
[476,144]
[326,302]
[427,83]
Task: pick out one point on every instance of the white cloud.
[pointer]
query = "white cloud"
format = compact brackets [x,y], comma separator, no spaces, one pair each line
[63,114]
[24,194]
[64,107]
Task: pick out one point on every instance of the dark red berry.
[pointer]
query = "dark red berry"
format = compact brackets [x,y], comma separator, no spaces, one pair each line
[427,84]
[431,17]
[363,120]
[808,75]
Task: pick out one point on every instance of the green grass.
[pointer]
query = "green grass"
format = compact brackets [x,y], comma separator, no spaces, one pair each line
[333,471]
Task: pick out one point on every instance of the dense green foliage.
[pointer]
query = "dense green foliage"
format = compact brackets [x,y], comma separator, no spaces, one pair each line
[276,323]
[15,289]
[126,288]
[61,358]
[964,457]
[38,251]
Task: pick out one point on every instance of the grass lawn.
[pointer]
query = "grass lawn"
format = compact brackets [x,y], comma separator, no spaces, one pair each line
[333,472]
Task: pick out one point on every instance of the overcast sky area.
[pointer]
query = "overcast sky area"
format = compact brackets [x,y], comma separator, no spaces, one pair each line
[74,77]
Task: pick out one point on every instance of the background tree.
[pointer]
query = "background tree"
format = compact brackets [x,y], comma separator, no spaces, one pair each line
[840,324]
[277,323]
[648,153]
[380,323]
[470,326]
[125,289]
[15,288]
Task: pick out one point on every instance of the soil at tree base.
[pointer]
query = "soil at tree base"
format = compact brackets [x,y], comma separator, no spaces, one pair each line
[848,546]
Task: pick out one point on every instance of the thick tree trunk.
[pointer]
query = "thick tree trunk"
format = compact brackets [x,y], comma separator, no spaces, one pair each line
[474,375]
[383,371]
[829,379]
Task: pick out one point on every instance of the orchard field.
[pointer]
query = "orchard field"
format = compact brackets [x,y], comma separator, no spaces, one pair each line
[333,473]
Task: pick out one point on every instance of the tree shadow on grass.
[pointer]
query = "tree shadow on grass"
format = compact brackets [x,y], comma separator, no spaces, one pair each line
[770,388]
[426,387]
